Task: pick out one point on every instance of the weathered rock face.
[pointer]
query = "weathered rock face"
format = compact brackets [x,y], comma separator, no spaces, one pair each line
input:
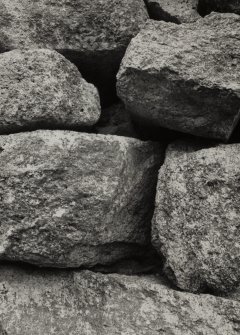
[116,120]
[177,11]
[186,75]
[94,35]
[34,302]
[71,199]
[196,220]
[40,88]
[224,6]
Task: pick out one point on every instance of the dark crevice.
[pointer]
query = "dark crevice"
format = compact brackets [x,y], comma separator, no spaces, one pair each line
[155,12]
[44,126]
[203,8]
[100,69]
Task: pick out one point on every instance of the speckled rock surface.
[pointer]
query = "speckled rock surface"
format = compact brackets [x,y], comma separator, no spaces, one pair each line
[116,120]
[188,76]
[196,220]
[73,303]
[93,34]
[71,199]
[225,6]
[177,11]
[40,88]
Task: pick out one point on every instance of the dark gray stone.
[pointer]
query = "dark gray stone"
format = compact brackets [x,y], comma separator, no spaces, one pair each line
[185,77]
[40,88]
[70,199]
[196,220]
[70,302]
[93,34]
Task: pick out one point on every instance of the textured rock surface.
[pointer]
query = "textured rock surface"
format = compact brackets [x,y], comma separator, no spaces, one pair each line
[40,88]
[196,220]
[188,76]
[73,303]
[71,199]
[225,6]
[93,34]
[177,11]
[116,120]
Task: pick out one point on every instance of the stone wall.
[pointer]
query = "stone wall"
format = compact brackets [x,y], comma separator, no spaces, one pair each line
[119,167]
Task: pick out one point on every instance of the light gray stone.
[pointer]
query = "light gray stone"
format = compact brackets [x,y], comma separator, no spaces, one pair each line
[185,77]
[40,88]
[70,199]
[93,34]
[196,219]
[177,11]
[73,303]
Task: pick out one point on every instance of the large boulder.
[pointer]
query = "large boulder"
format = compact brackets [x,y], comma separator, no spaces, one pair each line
[40,88]
[188,76]
[64,303]
[177,11]
[224,6]
[70,199]
[93,34]
[196,220]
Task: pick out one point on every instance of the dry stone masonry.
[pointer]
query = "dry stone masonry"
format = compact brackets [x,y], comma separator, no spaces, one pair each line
[119,167]
[93,34]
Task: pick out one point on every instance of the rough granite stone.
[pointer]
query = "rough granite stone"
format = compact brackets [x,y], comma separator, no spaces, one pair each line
[70,199]
[40,88]
[196,219]
[73,303]
[93,34]
[224,6]
[185,77]
[177,11]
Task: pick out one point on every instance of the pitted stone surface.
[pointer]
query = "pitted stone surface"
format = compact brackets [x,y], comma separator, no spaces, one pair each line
[70,199]
[40,88]
[196,220]
[63,303]
[185,77]
[93,34]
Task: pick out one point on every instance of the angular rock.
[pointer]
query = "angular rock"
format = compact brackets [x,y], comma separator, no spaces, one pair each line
[94,35]
[40,88]
[116,120]
[224,6]
[63,303]
[196,219]
[177,11]
[70,199]
[188,76]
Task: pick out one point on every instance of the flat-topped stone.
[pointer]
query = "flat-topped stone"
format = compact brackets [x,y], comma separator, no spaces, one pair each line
[185,77]
[71,199]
